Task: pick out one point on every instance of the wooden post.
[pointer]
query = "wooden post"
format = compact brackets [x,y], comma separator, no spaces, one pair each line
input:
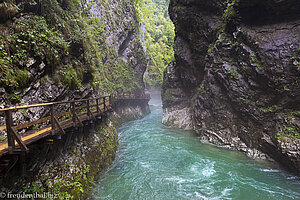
[97,103]
[52,119]
[88,109]
[9,125]
[11,133]
[89,113]
[104,103]
[110,101]
[73,113]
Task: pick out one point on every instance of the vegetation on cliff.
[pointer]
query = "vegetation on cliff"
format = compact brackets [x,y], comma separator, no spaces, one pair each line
[64,42]
[73,177]
[158,34]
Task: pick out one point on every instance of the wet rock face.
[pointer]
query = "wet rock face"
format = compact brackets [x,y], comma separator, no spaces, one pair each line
[237,69]
[119,21]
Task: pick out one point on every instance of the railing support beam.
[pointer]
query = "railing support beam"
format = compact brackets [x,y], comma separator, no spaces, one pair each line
[104,104]
[89,113]
[11,133]
[52,113]
[97,104]
[59,126]
[9,125]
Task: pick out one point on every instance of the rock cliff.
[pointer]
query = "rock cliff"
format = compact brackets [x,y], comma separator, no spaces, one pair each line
[235,80]
[64,49]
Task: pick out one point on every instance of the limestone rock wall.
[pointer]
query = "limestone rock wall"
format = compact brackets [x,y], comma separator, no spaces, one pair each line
[237,70]
[67,50]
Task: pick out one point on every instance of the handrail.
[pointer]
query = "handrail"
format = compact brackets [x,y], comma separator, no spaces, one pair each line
[49,104]
[55,124]
[52,119]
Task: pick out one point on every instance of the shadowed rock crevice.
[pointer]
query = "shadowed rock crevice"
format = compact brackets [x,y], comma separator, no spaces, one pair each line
[125,43]
[268,12]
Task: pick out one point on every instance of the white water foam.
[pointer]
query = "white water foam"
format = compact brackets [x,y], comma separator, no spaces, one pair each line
[269,170]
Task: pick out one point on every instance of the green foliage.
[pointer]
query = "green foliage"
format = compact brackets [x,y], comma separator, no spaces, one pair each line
[288,131]
[285,87]
[200,89]
[63,187]
[36,127]
[230,13]
[72,46]
[71,76]
[250,102]
[34,188]
[118,77]
[90,34]
[159,39]
[74,178]
[280,136]
[138,7]
[232,73]
[268,109]
[33,38]
[253,58]
[37,39]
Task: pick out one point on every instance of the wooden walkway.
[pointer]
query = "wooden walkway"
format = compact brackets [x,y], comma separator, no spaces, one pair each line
[55,123]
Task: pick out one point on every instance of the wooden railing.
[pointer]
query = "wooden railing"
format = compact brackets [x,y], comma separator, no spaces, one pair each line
[56,122]
[88,107]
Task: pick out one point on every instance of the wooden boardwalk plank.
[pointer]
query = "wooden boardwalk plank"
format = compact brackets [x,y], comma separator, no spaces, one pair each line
[37,135]
[2,128]
[27,139]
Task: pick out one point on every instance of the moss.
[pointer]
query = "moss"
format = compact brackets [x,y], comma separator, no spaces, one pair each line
[210,48]
[74,179]
[200,89]
[232,73]
[71,76]
[289,131]
[250,102]
[268,109]
[32,39]
[254,59]
[168,96]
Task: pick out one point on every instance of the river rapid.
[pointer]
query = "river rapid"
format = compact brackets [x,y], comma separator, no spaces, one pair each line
[156,162]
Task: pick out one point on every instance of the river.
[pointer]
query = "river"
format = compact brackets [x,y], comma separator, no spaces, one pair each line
[156,162]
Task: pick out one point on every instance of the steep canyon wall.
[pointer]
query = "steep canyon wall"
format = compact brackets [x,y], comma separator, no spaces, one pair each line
[67,49]
[235,80]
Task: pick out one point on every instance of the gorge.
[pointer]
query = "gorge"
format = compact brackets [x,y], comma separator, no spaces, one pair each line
[227,125]
[157,162]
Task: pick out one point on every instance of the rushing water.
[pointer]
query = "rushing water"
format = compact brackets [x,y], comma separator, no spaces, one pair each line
[155,162]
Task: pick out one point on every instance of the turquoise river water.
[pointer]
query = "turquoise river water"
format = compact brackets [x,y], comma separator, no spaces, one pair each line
[156,162]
